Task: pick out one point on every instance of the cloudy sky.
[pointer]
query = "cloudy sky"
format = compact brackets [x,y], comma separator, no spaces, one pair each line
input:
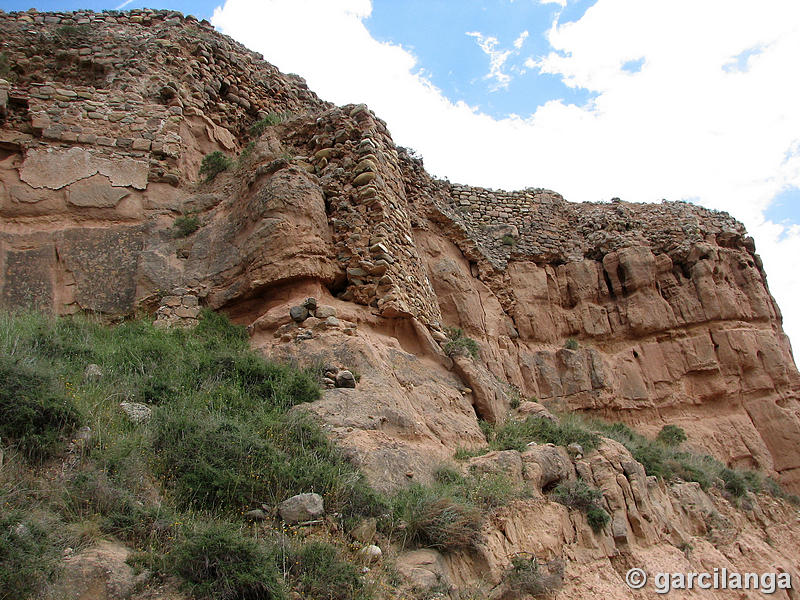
[645,100]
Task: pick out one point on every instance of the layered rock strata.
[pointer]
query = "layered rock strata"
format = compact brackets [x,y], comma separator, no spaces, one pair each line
[646,313]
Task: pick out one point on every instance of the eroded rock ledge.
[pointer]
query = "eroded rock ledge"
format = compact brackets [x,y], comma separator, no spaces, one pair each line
[104,121]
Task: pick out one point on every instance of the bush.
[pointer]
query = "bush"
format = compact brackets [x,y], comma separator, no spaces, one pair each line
[459,344]
[34,414]
[597,518]
[508,240]
[515,435]
[671,435]
[218,562]
[321,574]
[579,495]
[435,521]
[186,225]
[571,344]
[526,577]
[28,555]
[257,128]
[215,163]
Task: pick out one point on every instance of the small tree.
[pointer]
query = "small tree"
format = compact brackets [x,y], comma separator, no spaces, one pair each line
[671,435]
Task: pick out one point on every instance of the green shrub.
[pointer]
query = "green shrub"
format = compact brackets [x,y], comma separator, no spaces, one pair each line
[735,482]
[215,163]
[459,344]
[597,518]
[515,435]
[571,344]
[257,128]
[508,240]
[321,574]
[28,555]
[35,415]
[579,495]
[218,562]
[671,435]
[186,225]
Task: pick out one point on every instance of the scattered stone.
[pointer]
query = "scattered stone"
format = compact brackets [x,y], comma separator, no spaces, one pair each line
[137,412]
[372,553]
[302,507]
[92,372]
[323,311]
[310,304]
[298,313]
[345,379]
[255,515]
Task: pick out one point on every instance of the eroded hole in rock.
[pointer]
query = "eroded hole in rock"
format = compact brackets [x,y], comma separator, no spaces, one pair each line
[338,286]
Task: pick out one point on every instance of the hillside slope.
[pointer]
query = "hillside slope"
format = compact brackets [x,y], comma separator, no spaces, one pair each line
[113,201]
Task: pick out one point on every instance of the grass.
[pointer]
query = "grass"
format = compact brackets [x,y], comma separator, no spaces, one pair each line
[508,240]
[323,574]
[221,441]
[526,578]
[217,562]
[449,514]
[5,69]
[515,435]
[571,344]
[260,126]
[28,554]
[459,344]
[215,163]
[36,414]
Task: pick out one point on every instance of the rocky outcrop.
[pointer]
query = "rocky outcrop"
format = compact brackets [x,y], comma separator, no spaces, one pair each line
[648,314]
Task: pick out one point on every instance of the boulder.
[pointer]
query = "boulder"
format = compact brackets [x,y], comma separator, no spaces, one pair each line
[548,463]
[298,313]
[302,507]
[345,379]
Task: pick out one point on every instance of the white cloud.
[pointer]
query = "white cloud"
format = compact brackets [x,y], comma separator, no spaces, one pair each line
[561,3]
[682,127]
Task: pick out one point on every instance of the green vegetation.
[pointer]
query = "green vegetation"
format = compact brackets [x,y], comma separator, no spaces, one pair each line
[581,496]
[571,344]
[220,442]
[515,435]
[36,414]
[28,554]
[186,225]
[215,163]
[73,35]
[323,574]
[218,562]
[671,435]
[257,128]
[449,514]
[508,240]
[459,344]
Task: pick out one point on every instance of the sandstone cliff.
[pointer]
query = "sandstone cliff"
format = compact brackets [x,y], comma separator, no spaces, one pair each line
[644,313]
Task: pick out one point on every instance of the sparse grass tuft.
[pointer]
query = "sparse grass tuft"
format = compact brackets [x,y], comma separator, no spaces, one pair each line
[257,128]
[459,344]
[579,495]
[322,574]
[215,163]
[515,435]
[571,344]
[186,225]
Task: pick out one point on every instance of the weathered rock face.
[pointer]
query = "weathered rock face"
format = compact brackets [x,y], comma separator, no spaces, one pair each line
[650,314]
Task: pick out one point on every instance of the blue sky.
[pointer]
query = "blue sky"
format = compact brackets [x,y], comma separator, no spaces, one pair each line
[592,98]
